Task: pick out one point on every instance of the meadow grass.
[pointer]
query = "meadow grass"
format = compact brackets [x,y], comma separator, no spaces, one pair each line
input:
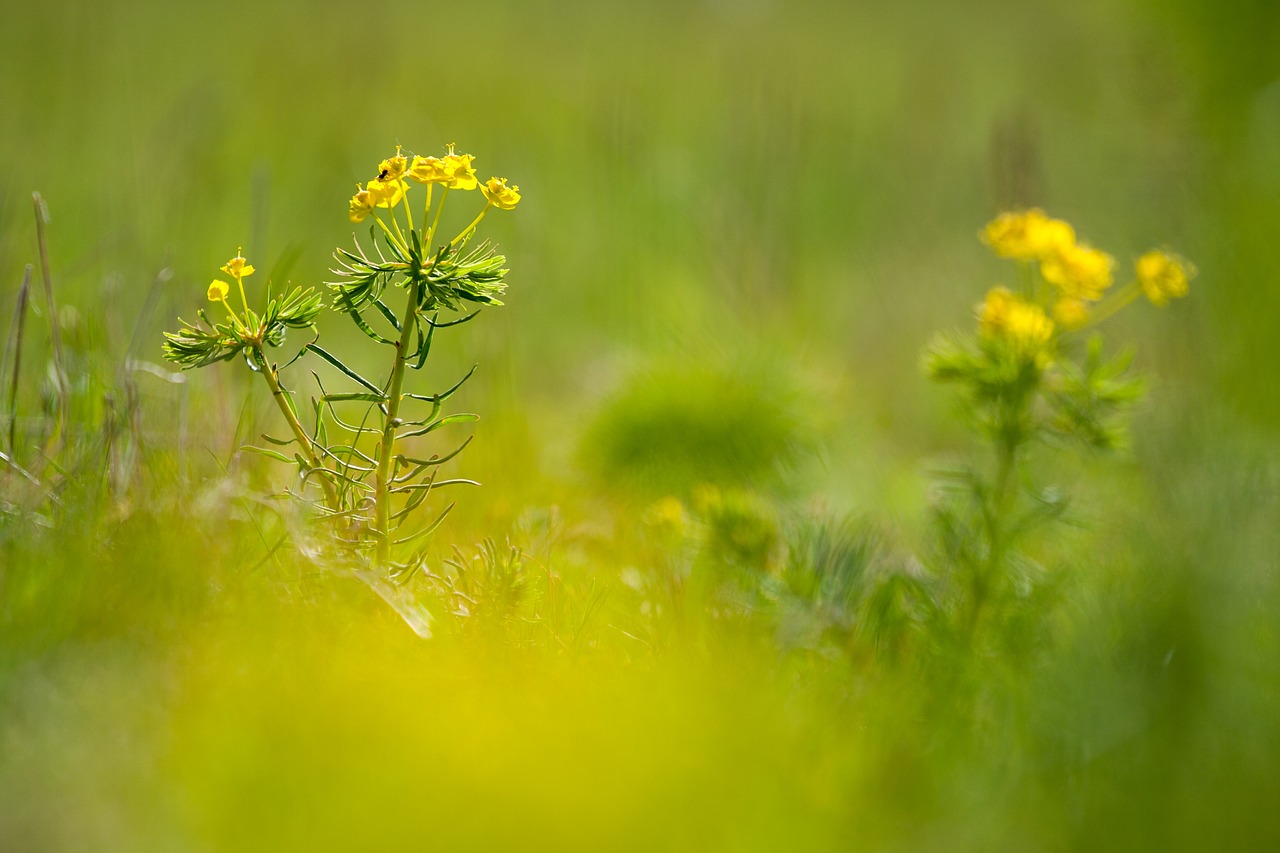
[692,605]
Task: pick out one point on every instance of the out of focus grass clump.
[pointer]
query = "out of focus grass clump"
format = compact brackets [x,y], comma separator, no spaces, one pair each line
[673,428]
[738,576]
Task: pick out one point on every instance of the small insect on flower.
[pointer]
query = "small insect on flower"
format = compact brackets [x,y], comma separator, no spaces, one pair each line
[237,268]
[393,168]
[1163,276]
[218,290]
[386,193]
[361,205]
[1078,271]
[499,194]
[1027,235]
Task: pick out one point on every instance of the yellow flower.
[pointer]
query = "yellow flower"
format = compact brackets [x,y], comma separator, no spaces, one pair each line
[1078,271]
[1008,317]
[499,194]
[1027,235]
[237,268]
[458,166]
[454,170]
[361,205]
[1071,313]
[393,168]
[1163,276]
[386,193]
[218,291]
[429,170]
[667,516]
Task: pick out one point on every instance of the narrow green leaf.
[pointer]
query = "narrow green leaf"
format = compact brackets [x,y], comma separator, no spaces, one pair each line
[434,398]
[361,324]
[414,487]
[346,463]
[336,362]
[438,460]
[322,431]
[429,529]
[262,451]
[342,398]
[299,354]
[388,313]
[457,322]
[424,345]
[415,500]
[432,427]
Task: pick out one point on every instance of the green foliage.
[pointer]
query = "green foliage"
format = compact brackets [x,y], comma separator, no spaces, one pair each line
[827,564]
[203,344]
[669,429]
[1090,402]
[452,275]
[296,310]
[740,528]
[206,343]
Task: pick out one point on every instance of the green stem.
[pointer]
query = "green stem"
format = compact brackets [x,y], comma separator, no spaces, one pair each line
[426,215]
[431,235]
[64,388]
[472,226]
[395,223]
[1118,300]
[995,506]
[386,450]
[1026,278]
[304,441]
[19,321]
[243,301]
[397,240]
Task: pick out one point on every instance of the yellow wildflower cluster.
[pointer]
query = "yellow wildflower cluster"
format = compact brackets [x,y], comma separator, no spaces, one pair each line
[1075,275]
[1027,235]
[452,171]
[239,269]
[1079,273]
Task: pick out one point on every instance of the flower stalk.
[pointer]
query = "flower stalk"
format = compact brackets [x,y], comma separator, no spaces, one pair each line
[1030,377]
[305,448]
[386,448]
[358,460]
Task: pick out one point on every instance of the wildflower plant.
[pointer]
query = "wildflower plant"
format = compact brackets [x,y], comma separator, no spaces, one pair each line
[358,469]
[1035,372]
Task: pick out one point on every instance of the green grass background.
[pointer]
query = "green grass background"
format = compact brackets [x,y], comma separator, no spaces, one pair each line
[741,224]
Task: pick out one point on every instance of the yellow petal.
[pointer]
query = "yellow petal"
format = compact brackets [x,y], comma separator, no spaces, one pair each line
[499,194]
[387,193]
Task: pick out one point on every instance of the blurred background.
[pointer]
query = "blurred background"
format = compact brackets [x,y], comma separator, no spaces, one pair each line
[742,223]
